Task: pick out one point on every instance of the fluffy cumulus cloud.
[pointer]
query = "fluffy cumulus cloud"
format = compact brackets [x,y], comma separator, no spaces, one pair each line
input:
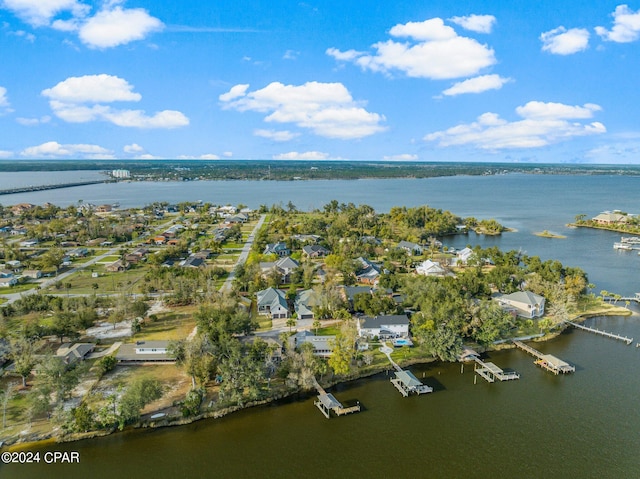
[53,149]
[565,42]
[33,121]
[118,26]
[541,124]
[327,109]
[432,50]
[626,26]
[133,148]
[281,135]
[6,154]
[307,155]
[5,106]
[476,23]
[84,99]
[39,13]
[477,85]
[110,26]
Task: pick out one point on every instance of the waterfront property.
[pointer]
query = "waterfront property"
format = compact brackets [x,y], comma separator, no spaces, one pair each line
[327,403]
[523,303]
[490,372]
[406,382]
[602,333]
[383,326]
[547,361]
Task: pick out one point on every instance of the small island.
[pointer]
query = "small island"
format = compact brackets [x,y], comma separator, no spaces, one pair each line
[549,234]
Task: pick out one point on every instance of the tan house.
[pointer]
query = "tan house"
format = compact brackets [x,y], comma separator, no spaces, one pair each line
[608,218]
[117,266]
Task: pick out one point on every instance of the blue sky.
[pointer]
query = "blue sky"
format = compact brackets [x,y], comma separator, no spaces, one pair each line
[516,81]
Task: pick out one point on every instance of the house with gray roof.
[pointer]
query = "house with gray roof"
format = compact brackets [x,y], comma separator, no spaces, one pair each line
[72,353]
[272,302]
[305,302]
[315,251]
[411,248]
[279,249]
[523,303]
[430,268]
[284,266]
[368,271]
[384,326]
[145,352]
[322,345]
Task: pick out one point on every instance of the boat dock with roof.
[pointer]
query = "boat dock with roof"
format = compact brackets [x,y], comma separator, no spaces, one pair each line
[547,361]
[404,380]
[327,403]
[490,372]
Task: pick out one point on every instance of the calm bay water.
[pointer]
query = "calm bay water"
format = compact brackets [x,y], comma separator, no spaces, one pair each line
[542,426]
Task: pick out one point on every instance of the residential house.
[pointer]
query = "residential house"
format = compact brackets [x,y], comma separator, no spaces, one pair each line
[145,352]
[283,266]
[315,251]
[305,302]
[322,345]
[72,353]
[411,248]
[370,240]
[32,273]
[464,255]
[368,272]
[29,243]
[117,266]
[349,292]
[279,249]
[523,303]
[609,218]
[21,208]
[78,252]
[7,282]
[389,327]
[104,209]
[306,238]
[240,218]
[430,268]
[19,230]
[272,302]
[193,262]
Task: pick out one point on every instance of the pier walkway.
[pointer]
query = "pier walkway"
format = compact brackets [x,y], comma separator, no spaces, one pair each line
[490,372]
[405,381]
[602,333]
[327,403]
[547,361]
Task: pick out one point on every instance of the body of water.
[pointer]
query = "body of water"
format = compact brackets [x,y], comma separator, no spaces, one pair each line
[542,426]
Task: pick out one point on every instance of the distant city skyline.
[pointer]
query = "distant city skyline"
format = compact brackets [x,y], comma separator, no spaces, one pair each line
[520,81]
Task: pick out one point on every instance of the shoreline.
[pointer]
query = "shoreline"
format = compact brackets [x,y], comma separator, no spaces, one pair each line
[172,421]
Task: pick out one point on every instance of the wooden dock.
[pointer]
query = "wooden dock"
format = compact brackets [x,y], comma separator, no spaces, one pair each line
[547,361]
[490,372]
[602,333]
[327,403]
[404,381]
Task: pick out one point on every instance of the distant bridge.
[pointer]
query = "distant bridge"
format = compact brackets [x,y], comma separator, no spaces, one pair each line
[29,189]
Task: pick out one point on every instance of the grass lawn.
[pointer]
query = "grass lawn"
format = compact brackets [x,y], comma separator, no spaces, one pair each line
[109,259]
[228,246]
[82,282]
[171,325]
[328,331]
[18,288]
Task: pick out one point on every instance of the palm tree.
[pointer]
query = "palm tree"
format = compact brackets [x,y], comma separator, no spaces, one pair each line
[291,322]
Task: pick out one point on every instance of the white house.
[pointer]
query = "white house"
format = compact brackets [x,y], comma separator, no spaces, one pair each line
[322,345]
[391,326]
[430,268]
[463,255]
[523,303]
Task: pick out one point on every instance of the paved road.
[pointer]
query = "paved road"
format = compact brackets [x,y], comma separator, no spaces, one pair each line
[246,249]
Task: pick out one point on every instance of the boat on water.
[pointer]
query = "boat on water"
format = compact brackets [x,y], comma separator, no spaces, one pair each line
[623,246]
[630,240]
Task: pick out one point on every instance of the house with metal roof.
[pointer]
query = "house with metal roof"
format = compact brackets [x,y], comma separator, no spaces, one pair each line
[305,302]
[524,303]
[430,268]
[385,326]
[272,302]
[71,353]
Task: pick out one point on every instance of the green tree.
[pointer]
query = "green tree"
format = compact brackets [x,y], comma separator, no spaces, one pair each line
[135,398]
[24,358]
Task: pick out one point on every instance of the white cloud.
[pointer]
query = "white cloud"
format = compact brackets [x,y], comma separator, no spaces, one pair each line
[118,26]
[283,135]
[477,85]
[622,151]
[111,26]
[401,157]
[542,124]
[39,13]
[307,155]
[437,52]
[5,106]
[556,111]
[34,121]
[476,23]
[626,26]
[30,37]
[53,149]
[327,109]
[290,55]
[565,42]
[6,154]
[92,88]
[133,148]
[227,154]
[82,99]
